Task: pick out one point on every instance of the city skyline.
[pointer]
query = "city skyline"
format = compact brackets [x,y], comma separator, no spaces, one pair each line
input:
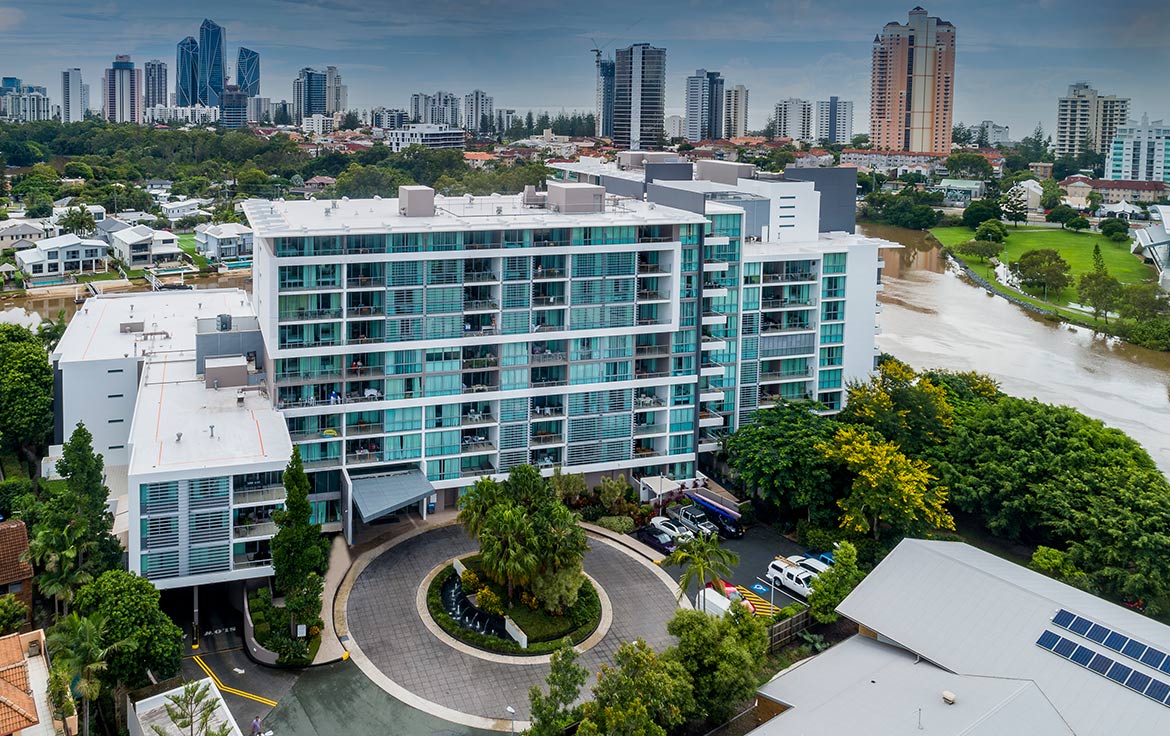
[1004,72]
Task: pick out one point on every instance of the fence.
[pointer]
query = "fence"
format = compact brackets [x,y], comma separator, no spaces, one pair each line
[783,633]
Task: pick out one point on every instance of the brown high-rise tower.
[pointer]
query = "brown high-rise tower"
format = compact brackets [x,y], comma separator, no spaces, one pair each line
[912,92]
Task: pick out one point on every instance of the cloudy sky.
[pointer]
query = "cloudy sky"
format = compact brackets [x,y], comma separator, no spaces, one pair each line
[1014,58]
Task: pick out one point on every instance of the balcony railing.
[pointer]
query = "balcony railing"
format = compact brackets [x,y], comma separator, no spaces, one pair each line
[771,327]
[541,274]
[548,357]
[782,303]
[785,375]
[547,438]
[365,282]
[479,276]
[483,363]
[366,310]
[268,494]
[641,429]
[479,305]
[473,446]
[475,418]
[477,470]
[297,376]
[650,268]
[778,278]
[261,529]
[294,315]
[651,350]
[548,411]
[551,300]
[243,562]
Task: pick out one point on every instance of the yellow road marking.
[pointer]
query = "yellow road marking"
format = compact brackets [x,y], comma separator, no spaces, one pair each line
[763,607]
[224,688]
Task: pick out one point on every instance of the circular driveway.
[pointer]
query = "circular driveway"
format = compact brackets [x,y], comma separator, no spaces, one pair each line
[385,624]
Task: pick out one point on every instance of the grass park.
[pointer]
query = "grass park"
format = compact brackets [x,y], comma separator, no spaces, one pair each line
[187,243]
[1075,248]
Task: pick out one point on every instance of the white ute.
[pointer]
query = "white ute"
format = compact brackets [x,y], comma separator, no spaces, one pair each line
[783,573]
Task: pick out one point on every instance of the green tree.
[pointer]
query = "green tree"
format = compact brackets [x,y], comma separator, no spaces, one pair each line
[612,493]
[1077,224]
[1050,194]
[569,487]
[506,547]
[351,121]
[1113,226]
[775,457]
[980,211]
[968,166]
[54,552]
[981,249]
[84,647]
[641,695]
[830,587]
[13,614]
[555,711]
[304,602]
[991,231]
[130,608]
[26,393]
[723,655]
[1061,213]
[253,182]
[78,170]
[368,181]
[910,410]
[192,711]
[474,505]
[1056,564]
[1143,302]
[702,560]
[1042,268]
[77,220]
[888,487]
[1098,289]
[298,547]
[1014,205]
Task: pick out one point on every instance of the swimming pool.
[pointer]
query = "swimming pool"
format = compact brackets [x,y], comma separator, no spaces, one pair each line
[237,265]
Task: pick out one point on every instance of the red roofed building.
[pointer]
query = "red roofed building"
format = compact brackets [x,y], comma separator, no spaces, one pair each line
[16,574]
[1078,186]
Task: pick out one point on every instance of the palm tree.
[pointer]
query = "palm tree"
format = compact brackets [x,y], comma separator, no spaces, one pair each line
[77,643]
[702,559]
[475,505]
[506,542]
[56,554]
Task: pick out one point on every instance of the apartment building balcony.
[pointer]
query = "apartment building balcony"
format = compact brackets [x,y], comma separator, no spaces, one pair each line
[710,342]
[291,378]
[480,305]
[542,437]
[710,393]
[359,429]
[709,442]
[710,368]
[483,467]
[255,530]
[786,303]
[366,311]
[648,268]
[712,318]
[642,430]
[710,419]
[768,327]
[480,277]
[309,315]
[363,458]
[713,265]
[713,289]
[542,356]
[549,274]
[650,351]
[547,409]
[474,383]
[646,296]
[259,496]
[787,277]
[365,282]
[645,451]
[647,402]
[783,376]
[323,462]
[770,398]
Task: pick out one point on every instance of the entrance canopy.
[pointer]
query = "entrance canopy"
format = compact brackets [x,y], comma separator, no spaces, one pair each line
[381,495]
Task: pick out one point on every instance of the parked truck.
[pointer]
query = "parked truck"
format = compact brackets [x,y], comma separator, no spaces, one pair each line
[784,573]
[693,517]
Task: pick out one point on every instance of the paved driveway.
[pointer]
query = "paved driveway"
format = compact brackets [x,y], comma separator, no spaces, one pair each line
[385,623]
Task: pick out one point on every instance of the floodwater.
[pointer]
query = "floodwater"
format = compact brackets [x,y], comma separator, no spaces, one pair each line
[935,318]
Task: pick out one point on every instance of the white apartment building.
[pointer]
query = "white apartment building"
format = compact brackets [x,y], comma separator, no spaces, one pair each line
[794,119]
[26,105]
[675,126]
[428,135]
[893,162]
[317,124]
[835,121]
[259,109]
[704,106]
[336,93]
[1140,152]
[735,112]
[193,115]
[477,109]
[74,96]
[1086,119]
[170,384]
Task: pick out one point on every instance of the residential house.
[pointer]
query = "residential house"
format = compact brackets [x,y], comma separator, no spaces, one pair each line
[175,211]
[64,254]
[98,212]
[227,241]
[813,158]
[892,163]
[956,641]
[24,687]
[1032,193]
[479,159]
[19,231]
[16,574]
[141,246]
[1042,169]
[106,228]
[1078,187]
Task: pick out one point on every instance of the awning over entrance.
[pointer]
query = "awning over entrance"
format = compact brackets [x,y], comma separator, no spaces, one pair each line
[380,495]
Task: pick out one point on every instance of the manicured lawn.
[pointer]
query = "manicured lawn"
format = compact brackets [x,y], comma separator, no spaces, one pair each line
[107,276]
[187,243]
[1075,248]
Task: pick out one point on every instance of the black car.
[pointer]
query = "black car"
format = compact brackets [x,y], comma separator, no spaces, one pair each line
[656,538]
[729,528]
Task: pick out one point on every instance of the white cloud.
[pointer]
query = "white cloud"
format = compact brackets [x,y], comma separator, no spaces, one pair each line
[10,18]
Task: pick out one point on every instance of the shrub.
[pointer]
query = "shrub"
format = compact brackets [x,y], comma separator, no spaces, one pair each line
[288,649]
[529,600]
[263,630]
[258,617]
[470,580]
[787,612]
[487,601]
[588,606]
[592,512]
[618,524]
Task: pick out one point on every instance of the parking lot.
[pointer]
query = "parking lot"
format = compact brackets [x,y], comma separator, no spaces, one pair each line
[758,546]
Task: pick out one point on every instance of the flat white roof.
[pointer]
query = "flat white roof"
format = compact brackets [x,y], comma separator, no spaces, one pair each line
[832,242]
[168,317]
[217,430]
[495,212]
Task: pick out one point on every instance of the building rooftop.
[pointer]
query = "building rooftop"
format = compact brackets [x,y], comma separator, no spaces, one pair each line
[151,713]
[13,547]
[975,614]
[182,425]
[168,322]
[833,242]
[495,212]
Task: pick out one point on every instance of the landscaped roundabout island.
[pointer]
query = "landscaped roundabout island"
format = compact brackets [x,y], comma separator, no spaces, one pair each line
[526,590]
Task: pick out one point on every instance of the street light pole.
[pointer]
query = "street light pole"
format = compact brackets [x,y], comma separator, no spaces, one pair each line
[512,716]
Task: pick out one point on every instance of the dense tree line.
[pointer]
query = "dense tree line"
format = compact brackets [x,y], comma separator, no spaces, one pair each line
[909,447]
[909,207]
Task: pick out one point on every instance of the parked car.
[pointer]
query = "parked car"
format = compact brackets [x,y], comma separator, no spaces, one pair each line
[811,564]
[656,538]
[783,573]
[825,557]
[694,518]
[730,595]
[728,527]
[677,533]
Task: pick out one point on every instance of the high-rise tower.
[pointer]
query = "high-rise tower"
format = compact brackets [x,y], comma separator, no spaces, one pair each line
[154,83]
[248,72]
[187,72]
[639,96]
[912,90]
[212,65]
[704,105]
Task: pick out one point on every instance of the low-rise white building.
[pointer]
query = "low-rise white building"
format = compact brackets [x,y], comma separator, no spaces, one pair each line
[141,246]
[51,258]
[174,211]
[1032,193]
[317,124]
[194,115]
[893,163]
[226,241]
[171,386]
[428,135]
[150,717]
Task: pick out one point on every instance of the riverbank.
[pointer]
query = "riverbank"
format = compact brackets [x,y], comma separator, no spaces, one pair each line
[1126,267]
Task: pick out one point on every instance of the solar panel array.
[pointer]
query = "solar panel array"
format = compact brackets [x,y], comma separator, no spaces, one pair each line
[1119,672]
